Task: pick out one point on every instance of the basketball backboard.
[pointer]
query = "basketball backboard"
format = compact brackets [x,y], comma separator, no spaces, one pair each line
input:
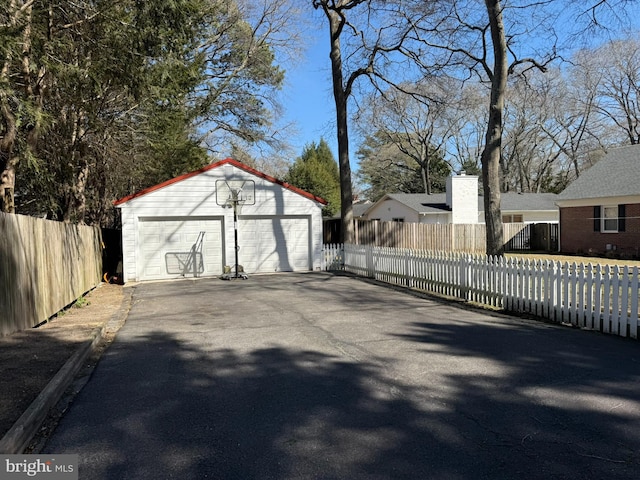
[241,191]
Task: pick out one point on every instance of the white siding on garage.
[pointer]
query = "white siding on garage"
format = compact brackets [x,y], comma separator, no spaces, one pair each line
[274,244]
[293,242]
[178,247]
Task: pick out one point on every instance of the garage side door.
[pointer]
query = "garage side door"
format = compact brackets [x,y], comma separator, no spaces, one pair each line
[173,248]
[274,244]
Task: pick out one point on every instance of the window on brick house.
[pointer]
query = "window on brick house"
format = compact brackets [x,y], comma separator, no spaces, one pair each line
[609,218]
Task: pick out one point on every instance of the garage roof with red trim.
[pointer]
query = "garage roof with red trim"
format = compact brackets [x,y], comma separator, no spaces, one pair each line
[212,166]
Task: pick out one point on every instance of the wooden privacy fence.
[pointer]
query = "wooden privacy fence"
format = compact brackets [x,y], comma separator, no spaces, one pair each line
[596,297]
[44,266]
[429,236]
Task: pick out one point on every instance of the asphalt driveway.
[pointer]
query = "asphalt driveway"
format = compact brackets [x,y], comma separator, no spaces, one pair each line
[314,376]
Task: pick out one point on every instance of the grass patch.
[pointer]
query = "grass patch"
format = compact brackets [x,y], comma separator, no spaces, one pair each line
[81,302]
[574,258]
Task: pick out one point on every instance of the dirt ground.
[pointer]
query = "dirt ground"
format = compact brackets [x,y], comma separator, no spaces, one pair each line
[31,358]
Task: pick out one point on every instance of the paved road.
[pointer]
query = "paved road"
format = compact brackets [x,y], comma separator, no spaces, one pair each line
[314,376]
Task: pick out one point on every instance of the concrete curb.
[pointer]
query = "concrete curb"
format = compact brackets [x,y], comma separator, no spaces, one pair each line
[26,427]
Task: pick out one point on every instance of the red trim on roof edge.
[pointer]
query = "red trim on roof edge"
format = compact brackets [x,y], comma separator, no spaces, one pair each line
[231,161]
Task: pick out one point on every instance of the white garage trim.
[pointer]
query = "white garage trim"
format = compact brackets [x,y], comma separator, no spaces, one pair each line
[275,243]
[174,247]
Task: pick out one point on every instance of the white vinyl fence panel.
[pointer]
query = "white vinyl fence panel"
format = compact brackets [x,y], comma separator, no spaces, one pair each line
[595,297]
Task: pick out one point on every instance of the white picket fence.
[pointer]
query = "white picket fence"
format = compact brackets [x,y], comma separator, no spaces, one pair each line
[596,297]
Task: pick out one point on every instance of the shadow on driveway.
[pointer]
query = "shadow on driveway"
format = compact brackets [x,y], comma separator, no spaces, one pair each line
[494,401]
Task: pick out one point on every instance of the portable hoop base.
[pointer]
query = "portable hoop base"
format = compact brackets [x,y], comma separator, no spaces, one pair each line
[234,273]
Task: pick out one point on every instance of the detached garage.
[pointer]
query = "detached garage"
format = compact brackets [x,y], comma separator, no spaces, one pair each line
[184,227]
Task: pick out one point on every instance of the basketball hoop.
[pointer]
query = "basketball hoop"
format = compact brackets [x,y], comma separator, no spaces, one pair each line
[236,200]
[229,191]
[235,194]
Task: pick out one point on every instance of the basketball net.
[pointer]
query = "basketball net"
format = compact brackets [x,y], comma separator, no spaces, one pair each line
[236,200]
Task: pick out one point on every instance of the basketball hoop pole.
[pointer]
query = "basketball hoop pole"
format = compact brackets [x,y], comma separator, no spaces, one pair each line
[235,229]
[230,193]
[235,199]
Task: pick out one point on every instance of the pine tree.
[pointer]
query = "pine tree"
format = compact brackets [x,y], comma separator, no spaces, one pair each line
[316,172]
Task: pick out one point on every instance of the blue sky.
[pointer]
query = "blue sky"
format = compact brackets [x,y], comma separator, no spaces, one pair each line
[308,98]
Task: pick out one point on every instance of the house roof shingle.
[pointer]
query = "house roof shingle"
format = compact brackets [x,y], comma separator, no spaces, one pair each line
[510,201]
[617,174]
[359,209]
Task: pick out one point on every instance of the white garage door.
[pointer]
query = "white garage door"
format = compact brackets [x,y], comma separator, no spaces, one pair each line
[174,247]
[274,244]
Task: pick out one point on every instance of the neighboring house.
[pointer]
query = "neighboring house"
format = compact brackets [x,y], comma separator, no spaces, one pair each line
[462,204]
[600,210]
[359,209]
[182,227]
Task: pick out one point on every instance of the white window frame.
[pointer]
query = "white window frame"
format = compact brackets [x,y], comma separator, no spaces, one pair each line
[612,209]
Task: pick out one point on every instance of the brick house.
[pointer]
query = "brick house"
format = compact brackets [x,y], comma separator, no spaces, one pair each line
[600,211]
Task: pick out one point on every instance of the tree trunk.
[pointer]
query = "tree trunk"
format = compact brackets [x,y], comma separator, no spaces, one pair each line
[346,195]
[7,187]
[8,160]
[493,140]
[426,167]
[9,152]
[425,181]
[76,208]
[80,193]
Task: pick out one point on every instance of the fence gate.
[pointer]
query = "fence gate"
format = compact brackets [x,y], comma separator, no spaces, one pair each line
[544,237]
[536,237]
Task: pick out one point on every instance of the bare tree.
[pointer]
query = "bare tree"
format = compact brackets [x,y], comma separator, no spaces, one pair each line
[384,169]
[616,66]
[466,141]
[418,119]
[534,142]
[596,16]
[490,45]
[336,12]
[572,124]
[493,140]
[373,42]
